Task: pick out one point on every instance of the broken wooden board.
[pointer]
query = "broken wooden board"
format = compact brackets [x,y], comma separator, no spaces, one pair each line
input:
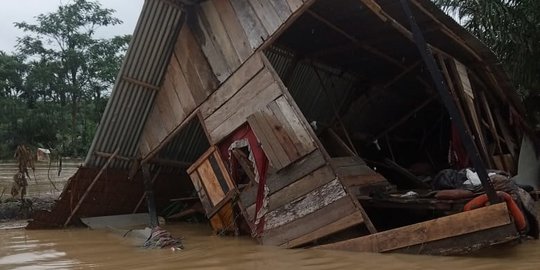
[282,134]
[215,188]
[429,231]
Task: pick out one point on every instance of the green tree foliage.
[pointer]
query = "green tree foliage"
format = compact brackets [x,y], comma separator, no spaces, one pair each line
[54,90]
[511,28]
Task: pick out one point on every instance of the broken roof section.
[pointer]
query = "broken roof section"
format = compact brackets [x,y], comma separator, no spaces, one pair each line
[142,74]
[137,83]
[239,90]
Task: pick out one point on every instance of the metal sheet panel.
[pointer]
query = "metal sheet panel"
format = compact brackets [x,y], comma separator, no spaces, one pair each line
[130,103]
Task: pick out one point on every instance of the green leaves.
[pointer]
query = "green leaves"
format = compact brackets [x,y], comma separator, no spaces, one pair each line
[511,28]
[58,81]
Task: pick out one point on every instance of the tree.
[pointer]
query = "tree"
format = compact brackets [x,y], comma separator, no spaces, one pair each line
[68,67]
[12,71]
[511,28]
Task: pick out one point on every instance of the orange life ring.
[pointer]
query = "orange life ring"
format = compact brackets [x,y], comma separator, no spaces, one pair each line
[517,214]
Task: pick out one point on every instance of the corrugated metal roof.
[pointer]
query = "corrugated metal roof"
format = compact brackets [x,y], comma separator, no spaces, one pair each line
[315,97]
[187,146]
[130,102]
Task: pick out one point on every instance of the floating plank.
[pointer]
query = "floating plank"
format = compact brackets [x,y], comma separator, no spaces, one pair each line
[465,244]
[425,232]
[253,27]
[236,33]
[309,223]
[305,205]
[232,85]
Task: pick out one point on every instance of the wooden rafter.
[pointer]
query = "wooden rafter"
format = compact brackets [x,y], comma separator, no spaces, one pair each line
[141,83]
[355,40]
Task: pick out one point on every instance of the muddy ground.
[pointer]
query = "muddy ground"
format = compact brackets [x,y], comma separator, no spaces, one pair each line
[14,209]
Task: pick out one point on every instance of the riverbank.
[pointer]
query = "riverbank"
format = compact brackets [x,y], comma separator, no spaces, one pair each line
[44,187]
[15,209]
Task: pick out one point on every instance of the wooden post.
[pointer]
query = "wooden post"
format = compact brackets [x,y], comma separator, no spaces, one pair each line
[150,199]
[451,107]
[144,193]
[336,113]
[94,181]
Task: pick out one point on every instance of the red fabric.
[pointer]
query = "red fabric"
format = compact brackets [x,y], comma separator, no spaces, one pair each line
[459,156]
[245,132]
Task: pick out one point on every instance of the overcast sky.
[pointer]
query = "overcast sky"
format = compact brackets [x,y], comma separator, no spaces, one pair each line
[26,10]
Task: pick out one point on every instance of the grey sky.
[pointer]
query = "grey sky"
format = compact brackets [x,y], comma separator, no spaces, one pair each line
[25,10]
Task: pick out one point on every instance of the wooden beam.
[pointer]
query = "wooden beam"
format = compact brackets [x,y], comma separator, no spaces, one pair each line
[385,17]
[140,83]
[108,155]
[144,193]
[403,73]
[405,117]
[246,164]
[89,188]
[420,233]
[170,162]
[355,40]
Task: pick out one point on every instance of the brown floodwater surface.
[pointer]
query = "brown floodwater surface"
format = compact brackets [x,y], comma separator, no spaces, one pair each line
[95,249]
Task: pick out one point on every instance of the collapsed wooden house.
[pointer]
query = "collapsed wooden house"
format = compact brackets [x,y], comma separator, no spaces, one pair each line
[286,117]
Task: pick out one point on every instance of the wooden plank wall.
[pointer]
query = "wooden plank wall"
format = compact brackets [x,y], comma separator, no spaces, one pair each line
[283,137]
[229,31]
[249,89]
[306,200]
[188,81]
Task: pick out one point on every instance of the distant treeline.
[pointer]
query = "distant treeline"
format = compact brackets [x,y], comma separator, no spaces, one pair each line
[54,87]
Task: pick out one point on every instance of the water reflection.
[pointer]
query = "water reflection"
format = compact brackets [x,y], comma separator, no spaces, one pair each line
[88,249]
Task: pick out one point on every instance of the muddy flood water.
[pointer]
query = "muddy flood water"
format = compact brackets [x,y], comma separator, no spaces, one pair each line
[95,249]
[102,249]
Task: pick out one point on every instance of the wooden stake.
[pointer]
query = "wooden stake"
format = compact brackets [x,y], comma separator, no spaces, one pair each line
[94,181]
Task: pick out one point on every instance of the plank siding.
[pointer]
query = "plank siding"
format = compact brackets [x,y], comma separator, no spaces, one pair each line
[233,27]
[301,187]
[194,66]
[188,81]
[251,24]
[232,85]
[220,37]
[266,14]
[305,205]
[257,93]
[309,223]
[282,136]
[280,179]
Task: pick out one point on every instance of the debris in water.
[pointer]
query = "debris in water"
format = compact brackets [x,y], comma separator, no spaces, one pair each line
[161,238]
